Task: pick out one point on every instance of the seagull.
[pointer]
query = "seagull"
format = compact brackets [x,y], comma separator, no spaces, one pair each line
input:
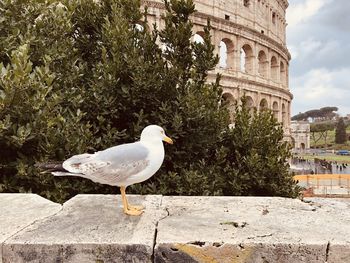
[121,165]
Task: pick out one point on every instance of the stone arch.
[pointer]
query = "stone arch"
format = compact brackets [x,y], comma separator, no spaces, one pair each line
[229,102]
[284,115]
[247,58]
[274,68]
[198,37]
[262,63]
[283,74]
[226,53]
[263,105]
[275,109]
[250,103]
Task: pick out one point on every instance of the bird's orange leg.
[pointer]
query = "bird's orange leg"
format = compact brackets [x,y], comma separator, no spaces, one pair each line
[134,207]
[129,210]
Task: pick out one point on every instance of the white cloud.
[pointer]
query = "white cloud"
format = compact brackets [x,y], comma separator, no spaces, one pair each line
[319,69]
[301,12]
[313,47]
[294,51]
[321,87]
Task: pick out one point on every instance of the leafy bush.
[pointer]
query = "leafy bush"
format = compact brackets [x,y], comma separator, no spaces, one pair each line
[80,76]
[340,132]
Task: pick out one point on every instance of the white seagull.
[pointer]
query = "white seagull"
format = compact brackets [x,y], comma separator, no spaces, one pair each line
[121,165]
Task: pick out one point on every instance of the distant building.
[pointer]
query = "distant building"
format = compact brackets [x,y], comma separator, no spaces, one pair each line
[250,38]
[300,132]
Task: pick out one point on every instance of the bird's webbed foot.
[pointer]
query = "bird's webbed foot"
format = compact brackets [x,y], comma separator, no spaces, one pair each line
[133,212]
[136,207]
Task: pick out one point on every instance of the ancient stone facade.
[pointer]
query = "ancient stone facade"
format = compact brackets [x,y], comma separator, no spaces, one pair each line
[250,38]
[300,133]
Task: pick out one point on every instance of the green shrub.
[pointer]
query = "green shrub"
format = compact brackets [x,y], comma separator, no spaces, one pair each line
[80,76]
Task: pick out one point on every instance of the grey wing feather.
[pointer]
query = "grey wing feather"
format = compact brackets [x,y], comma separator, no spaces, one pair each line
[111,165]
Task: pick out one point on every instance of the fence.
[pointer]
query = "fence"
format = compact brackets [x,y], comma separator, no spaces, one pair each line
[325,184]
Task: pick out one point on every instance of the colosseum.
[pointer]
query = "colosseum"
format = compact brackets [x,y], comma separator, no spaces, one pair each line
[250,38]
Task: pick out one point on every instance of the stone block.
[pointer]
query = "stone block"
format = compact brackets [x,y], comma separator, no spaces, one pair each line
[252,230]
[17,211]
[89,228]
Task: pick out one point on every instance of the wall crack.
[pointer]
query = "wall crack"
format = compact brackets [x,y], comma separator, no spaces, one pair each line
[156,229]
[327,250]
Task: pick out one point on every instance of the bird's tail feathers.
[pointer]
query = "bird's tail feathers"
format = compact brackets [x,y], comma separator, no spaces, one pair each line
[51,166]
[56,169]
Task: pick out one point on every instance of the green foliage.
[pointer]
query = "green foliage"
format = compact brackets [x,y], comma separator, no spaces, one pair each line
[80,76]
[325,113]
[321,130]
[321,126]
[340,132]
[257,165]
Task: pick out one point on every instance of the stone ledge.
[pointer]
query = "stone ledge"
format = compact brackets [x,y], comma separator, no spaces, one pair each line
[254,229]
[89,228]
[93,228]
[19,211]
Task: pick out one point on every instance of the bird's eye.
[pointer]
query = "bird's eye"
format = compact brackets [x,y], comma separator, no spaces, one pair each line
[162,132]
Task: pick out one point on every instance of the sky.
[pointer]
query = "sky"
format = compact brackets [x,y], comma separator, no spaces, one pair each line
[318,38]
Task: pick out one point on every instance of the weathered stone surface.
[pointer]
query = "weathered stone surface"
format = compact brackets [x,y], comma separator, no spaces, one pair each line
[90,228]
[253,229]
[93,228]
[338,220]
[18,211]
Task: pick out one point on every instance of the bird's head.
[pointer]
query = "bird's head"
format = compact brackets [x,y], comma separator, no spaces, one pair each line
[155,132]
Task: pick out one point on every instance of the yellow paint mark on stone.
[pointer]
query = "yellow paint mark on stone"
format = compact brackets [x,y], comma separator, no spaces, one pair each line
[211,254]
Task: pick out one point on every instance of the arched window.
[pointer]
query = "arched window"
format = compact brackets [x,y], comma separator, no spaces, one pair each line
[262,64]
[223,55]
[197,38]
[250,104]
[284,115]
[229,102]
[247,59]
[246,3]
[283,75]
[226,53]
[263,105]
[274,68]
[275,109]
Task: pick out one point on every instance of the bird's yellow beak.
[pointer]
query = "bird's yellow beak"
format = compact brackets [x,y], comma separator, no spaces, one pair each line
[167,139]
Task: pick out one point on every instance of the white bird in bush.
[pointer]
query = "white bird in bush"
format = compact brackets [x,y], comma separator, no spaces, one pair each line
[121,165]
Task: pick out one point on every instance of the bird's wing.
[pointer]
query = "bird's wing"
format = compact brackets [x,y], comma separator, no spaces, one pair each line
[111,165]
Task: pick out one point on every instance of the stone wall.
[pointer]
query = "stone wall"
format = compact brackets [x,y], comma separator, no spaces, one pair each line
[250,37]
[93,228]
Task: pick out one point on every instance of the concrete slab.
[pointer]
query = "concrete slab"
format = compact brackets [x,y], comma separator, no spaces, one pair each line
[18,211]
[253,229]
[89,228]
